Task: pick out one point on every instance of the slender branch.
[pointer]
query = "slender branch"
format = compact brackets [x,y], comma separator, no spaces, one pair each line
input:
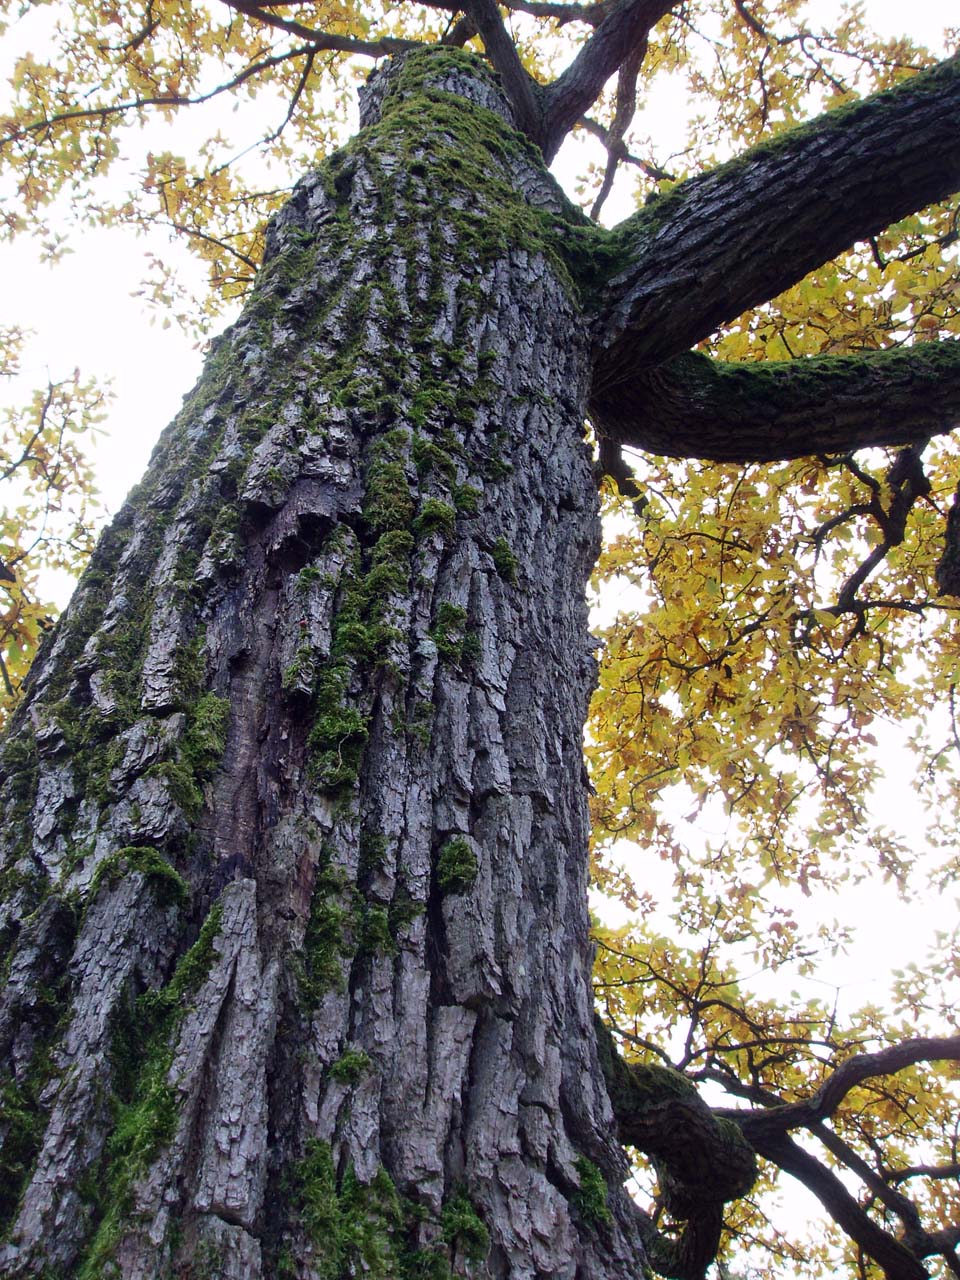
[102,113]
[896,1201]
[847,1076]
[5,676]
[897,1261]
[896,1176]
[321,40]
[624,113]
[626,157]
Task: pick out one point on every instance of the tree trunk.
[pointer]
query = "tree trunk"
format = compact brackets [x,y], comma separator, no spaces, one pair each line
[294,842]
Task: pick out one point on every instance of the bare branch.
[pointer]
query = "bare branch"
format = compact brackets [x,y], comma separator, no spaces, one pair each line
[626,157]
[626,107]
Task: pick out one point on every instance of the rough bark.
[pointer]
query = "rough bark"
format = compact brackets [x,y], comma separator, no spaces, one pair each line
[293,850]
[727,240]
[294,839]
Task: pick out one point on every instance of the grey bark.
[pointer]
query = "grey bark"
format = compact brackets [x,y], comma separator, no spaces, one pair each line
[736,236]
[335,643]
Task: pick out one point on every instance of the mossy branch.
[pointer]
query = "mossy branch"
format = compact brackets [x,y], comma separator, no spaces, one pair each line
[732,238]
[701,1161]
[769,411]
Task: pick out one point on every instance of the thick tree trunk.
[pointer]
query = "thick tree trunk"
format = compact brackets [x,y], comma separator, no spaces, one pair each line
[294,842]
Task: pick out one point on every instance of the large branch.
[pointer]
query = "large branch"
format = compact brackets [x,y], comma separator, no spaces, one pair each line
[572,94]
[701,1162]
[694,406]
[730,239]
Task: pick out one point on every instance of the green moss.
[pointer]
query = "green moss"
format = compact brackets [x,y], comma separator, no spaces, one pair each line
[375,936]
[327,938]
[190,669]
[466,499]
[223,543]
[402,910]
[435,516]
[23,1112]
[192,970]
[420,726]
[590,1200]
[22,1123]
[144,1103]
[447,633]
[308,577]
[394,547]
[428,457]
[373,853]
[350,1067]
[457,866]
[337,740]
[470,653]
[206,737]
[121,652]
[355,1225]
[21,766]
[368,1229]
[168,885]
[181,785]
[462,1228]
[504,560]
[388,503]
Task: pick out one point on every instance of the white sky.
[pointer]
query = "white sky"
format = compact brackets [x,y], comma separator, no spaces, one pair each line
[85,313]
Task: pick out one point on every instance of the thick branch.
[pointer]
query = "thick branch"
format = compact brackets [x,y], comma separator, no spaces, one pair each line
[728,240]
[701,1162]
[694,406]
[573,93]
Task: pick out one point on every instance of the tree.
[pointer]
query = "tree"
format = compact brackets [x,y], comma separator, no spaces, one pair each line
[47,506]
[295,829]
